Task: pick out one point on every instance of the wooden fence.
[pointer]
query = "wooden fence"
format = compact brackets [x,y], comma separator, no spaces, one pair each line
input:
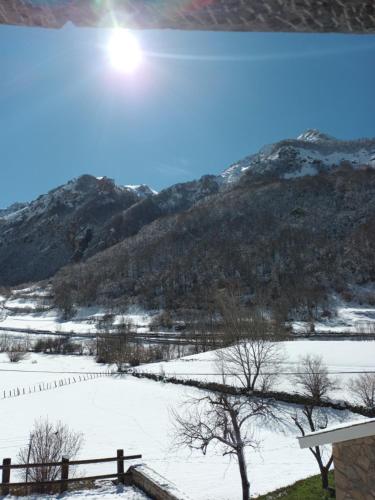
[64,465]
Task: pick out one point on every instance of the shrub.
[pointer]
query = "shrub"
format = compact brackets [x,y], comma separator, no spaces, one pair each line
[16,352]
[48,442]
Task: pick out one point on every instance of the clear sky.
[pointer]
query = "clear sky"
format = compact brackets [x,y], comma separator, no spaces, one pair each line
[198,102]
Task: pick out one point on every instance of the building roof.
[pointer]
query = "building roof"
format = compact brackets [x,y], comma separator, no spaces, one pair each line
[345,16]
[345,432]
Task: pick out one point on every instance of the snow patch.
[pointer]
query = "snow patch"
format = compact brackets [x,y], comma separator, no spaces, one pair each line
[306,170]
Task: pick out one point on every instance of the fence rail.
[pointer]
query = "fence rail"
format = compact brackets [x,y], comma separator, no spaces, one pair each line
[64,465]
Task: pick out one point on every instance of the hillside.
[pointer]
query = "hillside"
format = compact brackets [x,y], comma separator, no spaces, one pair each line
[287,225]
[62,226]
[285,239]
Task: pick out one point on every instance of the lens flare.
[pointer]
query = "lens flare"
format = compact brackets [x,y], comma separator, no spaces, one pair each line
[124,51]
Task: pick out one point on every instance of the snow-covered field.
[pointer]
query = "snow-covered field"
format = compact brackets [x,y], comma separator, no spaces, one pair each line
[356,317]
[24,312]
[104,490]
[339,355]
[135,414]
[38,368]
[357,320]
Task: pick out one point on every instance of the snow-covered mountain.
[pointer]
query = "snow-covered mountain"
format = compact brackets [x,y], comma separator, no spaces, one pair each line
[72,194]
[90,214]
[141,190]
[62,226]
[287,236]
[309,154]
[15,207]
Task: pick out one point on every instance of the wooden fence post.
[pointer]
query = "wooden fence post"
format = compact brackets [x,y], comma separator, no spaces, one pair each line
[120,466]
[64,474]
[6,476]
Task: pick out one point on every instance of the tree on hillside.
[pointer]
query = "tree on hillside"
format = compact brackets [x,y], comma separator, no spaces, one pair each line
[314,382]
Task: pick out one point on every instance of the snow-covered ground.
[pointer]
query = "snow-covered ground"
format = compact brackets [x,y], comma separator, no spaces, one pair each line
[355,317]
[135,414]
[31,309]
[38,368]
[105,490]
[350,319]
[339,355]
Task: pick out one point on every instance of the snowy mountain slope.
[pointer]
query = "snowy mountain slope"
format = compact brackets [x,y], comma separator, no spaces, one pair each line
[15,207]
[59,227]
[90,214]
[309,154]
[141,190]
[293,241]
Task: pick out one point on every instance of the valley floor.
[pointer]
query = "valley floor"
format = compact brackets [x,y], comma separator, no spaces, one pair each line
[120,411]
[124,412]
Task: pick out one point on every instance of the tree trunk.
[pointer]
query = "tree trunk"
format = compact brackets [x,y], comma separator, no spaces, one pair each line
[324,476]
[243,471]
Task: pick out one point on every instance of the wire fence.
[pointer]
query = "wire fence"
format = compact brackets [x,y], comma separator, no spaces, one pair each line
[50,385]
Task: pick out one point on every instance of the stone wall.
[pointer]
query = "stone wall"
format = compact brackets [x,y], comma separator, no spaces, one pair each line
[355,469]
[347,16]
[153,484]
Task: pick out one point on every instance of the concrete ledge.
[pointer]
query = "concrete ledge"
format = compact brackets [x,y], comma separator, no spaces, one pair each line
[153,484]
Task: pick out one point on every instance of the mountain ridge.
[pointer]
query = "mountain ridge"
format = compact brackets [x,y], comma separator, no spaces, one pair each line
[88,215]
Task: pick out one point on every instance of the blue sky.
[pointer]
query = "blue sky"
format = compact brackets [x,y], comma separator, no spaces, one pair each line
[198,102]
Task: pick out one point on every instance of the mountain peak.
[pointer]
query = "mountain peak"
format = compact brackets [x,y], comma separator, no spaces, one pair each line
[141,190]
[314,135]
[312,152]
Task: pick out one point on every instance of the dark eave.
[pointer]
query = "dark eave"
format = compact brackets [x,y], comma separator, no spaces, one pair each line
[303,16]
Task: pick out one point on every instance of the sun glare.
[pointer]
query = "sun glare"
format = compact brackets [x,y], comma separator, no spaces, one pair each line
[124,51]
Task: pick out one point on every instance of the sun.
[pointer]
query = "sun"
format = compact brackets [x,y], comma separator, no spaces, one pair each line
[124,51]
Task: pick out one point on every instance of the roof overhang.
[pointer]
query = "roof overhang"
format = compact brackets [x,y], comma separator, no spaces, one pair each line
[304,16]
[339,434]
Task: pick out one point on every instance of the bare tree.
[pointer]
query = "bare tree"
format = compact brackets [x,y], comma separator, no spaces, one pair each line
[4,342]
[253,354]
[313,379]
[362,389]
[315,383]
[225,419]
[255,363]
[16,352]
[48,442]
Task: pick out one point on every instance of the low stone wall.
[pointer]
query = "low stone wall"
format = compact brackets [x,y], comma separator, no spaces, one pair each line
[355,469]
[285,397]
[153,484]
